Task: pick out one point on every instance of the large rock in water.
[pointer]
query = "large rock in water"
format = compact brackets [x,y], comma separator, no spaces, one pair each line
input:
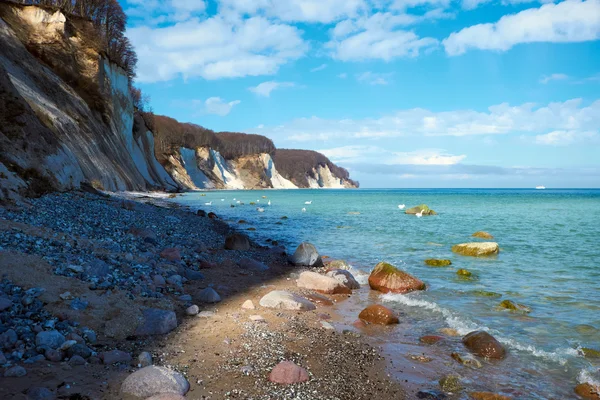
[153,380]
[306,255]
[321,283]
[587,391]
[377,314]
[345,277]
[387,278]
[237,241]
[483,344]
[286,301]
[477,249]
[156,322]
[423,207]
[483,235]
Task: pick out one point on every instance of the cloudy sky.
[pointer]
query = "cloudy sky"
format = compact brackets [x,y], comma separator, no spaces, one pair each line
[403,93]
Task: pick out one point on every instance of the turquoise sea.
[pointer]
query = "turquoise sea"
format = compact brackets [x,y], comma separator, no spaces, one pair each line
[549,261]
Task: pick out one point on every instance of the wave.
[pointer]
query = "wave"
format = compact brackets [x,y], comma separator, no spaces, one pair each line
[591,376]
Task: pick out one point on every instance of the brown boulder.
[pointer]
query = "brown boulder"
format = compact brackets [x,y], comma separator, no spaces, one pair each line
[377,314]
[488,396]
[287,373]
[386,278]
[430,339]
[482,235]
[587,391]
[483,344]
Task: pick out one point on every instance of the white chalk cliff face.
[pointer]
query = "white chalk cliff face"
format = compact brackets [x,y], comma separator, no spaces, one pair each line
[55,135]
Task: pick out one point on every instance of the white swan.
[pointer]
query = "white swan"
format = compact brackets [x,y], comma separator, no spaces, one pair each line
[419,214]
[303,209]
[260,209]
[222,199]
[234,199]
[308,202]
[269,203]
[208,204]
[401,206]
[238,202]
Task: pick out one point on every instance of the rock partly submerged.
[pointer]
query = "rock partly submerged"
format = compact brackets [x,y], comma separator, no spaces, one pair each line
[420,208]
[588,391]
[321,283]
[345,277]
[482,235]
[483,344]
[280,299]
[379,315]
[515,307]
[436,262]
[306,255]
[237,241]
[477,249]
[386,278]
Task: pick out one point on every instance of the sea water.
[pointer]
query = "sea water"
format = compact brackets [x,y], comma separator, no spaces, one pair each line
[549,260]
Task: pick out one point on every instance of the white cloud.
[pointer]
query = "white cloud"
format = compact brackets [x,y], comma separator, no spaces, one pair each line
[568,21]
[375,154]
[427,157]
[563,138]
[351,153]
[264,89]
[316,11]
[377,37]
[215,48]
[319,68]
[374,78]
[526,118]
[554,77]
[216,106]
[343,75]
[404,4]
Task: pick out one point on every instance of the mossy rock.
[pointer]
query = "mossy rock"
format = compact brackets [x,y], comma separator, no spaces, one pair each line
[450,384]
[252,203]
[423,207]
[284,217]
[435,262]
[512,306]
[589,353]
[242,221]
[485,293]
[482,235]
[477,249]
[464,273]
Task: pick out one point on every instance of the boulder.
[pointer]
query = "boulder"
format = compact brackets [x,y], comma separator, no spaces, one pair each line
[156,322]
[338,264]
[50,339]
[430,339]
[488,396]
[209,295]
[344,277]
[435,262]
[153,380]
[287,373]
[477,249]
[15,372]
[237,241]
[281,299]
[483,344]
[144,359]
[171,254]
[192,310]
[248,263]
[482,235]
[450,384]
[306,255]
[115,356]
[386,278]
[589,353]
[377,314]
[321,283]
[464,273]
[588,391]
[423,207]
[40,393]
[512,306]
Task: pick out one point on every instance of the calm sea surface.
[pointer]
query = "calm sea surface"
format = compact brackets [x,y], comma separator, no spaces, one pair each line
[549,261]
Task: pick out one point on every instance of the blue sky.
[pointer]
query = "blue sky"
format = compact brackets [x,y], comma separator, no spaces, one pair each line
[403,93]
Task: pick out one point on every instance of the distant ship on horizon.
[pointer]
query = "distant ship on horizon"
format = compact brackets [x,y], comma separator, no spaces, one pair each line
[540,187]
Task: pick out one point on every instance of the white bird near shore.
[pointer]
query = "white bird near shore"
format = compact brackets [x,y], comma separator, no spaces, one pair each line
[260,209]
[238,202]
[208,204]
[419,214]
[401,206]
[303,209]
[308,202]
[269,203]
[258,201]
[222,199]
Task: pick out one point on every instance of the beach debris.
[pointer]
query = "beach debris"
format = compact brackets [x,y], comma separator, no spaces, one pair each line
[321,283]
[306,255]
[281,299]
[483,344]
[379,315]
[386,278]
[287,373]
[477,249]
[154,380]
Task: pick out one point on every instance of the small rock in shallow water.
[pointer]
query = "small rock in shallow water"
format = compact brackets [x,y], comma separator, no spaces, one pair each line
[386,278]
[483,344]
[306,255]
[434,262]
[321,283]
[450,384]
[209,295]
[431,395]
[488,396]
[192,310]
[378,314]
[512,306]
[449,332]
[476,249]
[345,277]
[287,373]
[467,360]
[588,391]
[15,372]
[153,380]
[482,235]
[430,339]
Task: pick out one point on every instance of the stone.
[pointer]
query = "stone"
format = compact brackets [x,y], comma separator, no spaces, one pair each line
[2,358]
[587,391]
[283,300]
[250,264]
[79,350]
[287,373]
[338,264]
[175,280]
[321,283]
[153,380]
[15,372]
[488,396]
[171,254]
[192,310]
[463,273]
[209,295]
[166,396]
[257,318]
[318,298]
[115,356]
[248,305]
[75,337]
[589,353]
[8,339]
[477,249]
[430,339]
[53,355]
[327,325]
[482,235]
[201,213]
[466,360]
[206,314]
[435,262]
[345,277]
[78,304]
[237,241]
[5,303]
[212,215]
[156,322]
[306,255]
[449,332]
[185,298]
[450,384]
[159,281]
[378,314]
[204,264]
[50,339]
[67,345]
[483,344]
[40,393]
[144,359]
[512,306]
[77,360]
[386,278]
[192,275]
[431,395]
[421,208]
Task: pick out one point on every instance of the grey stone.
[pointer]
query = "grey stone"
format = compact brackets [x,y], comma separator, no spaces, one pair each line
[306,255]
[34,359]
[40,393]
[185,297]
[192,310]
[2,358]
[79,350]
[209,295]
[77,360]
[248,263]
[156,322]
[5,303]
[153,380]
[281,299]
[8,339]
[52,339]
[145,359]
[15,372]
[53,355]
[78,304]
[116,356]
[193,275]
[345,277]
[237,241]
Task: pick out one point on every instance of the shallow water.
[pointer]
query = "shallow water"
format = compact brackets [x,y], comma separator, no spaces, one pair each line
[548,261]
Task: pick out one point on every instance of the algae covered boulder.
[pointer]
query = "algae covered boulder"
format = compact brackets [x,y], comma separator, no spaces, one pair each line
[463,273]
[512,306]
[483,235]
[386,278]
[477,249]
[420,208]
[436,262]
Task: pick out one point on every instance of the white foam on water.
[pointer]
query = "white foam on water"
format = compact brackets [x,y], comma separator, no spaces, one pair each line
[591,376]
[464,326]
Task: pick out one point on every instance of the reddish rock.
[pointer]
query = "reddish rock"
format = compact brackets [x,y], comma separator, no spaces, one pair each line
[587,391]
[488,396]
[377,314]
[483,344]
[359,324]
[321,283]
[430,339]
[319,299]
[387,278]
[171,254]
[287,373]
